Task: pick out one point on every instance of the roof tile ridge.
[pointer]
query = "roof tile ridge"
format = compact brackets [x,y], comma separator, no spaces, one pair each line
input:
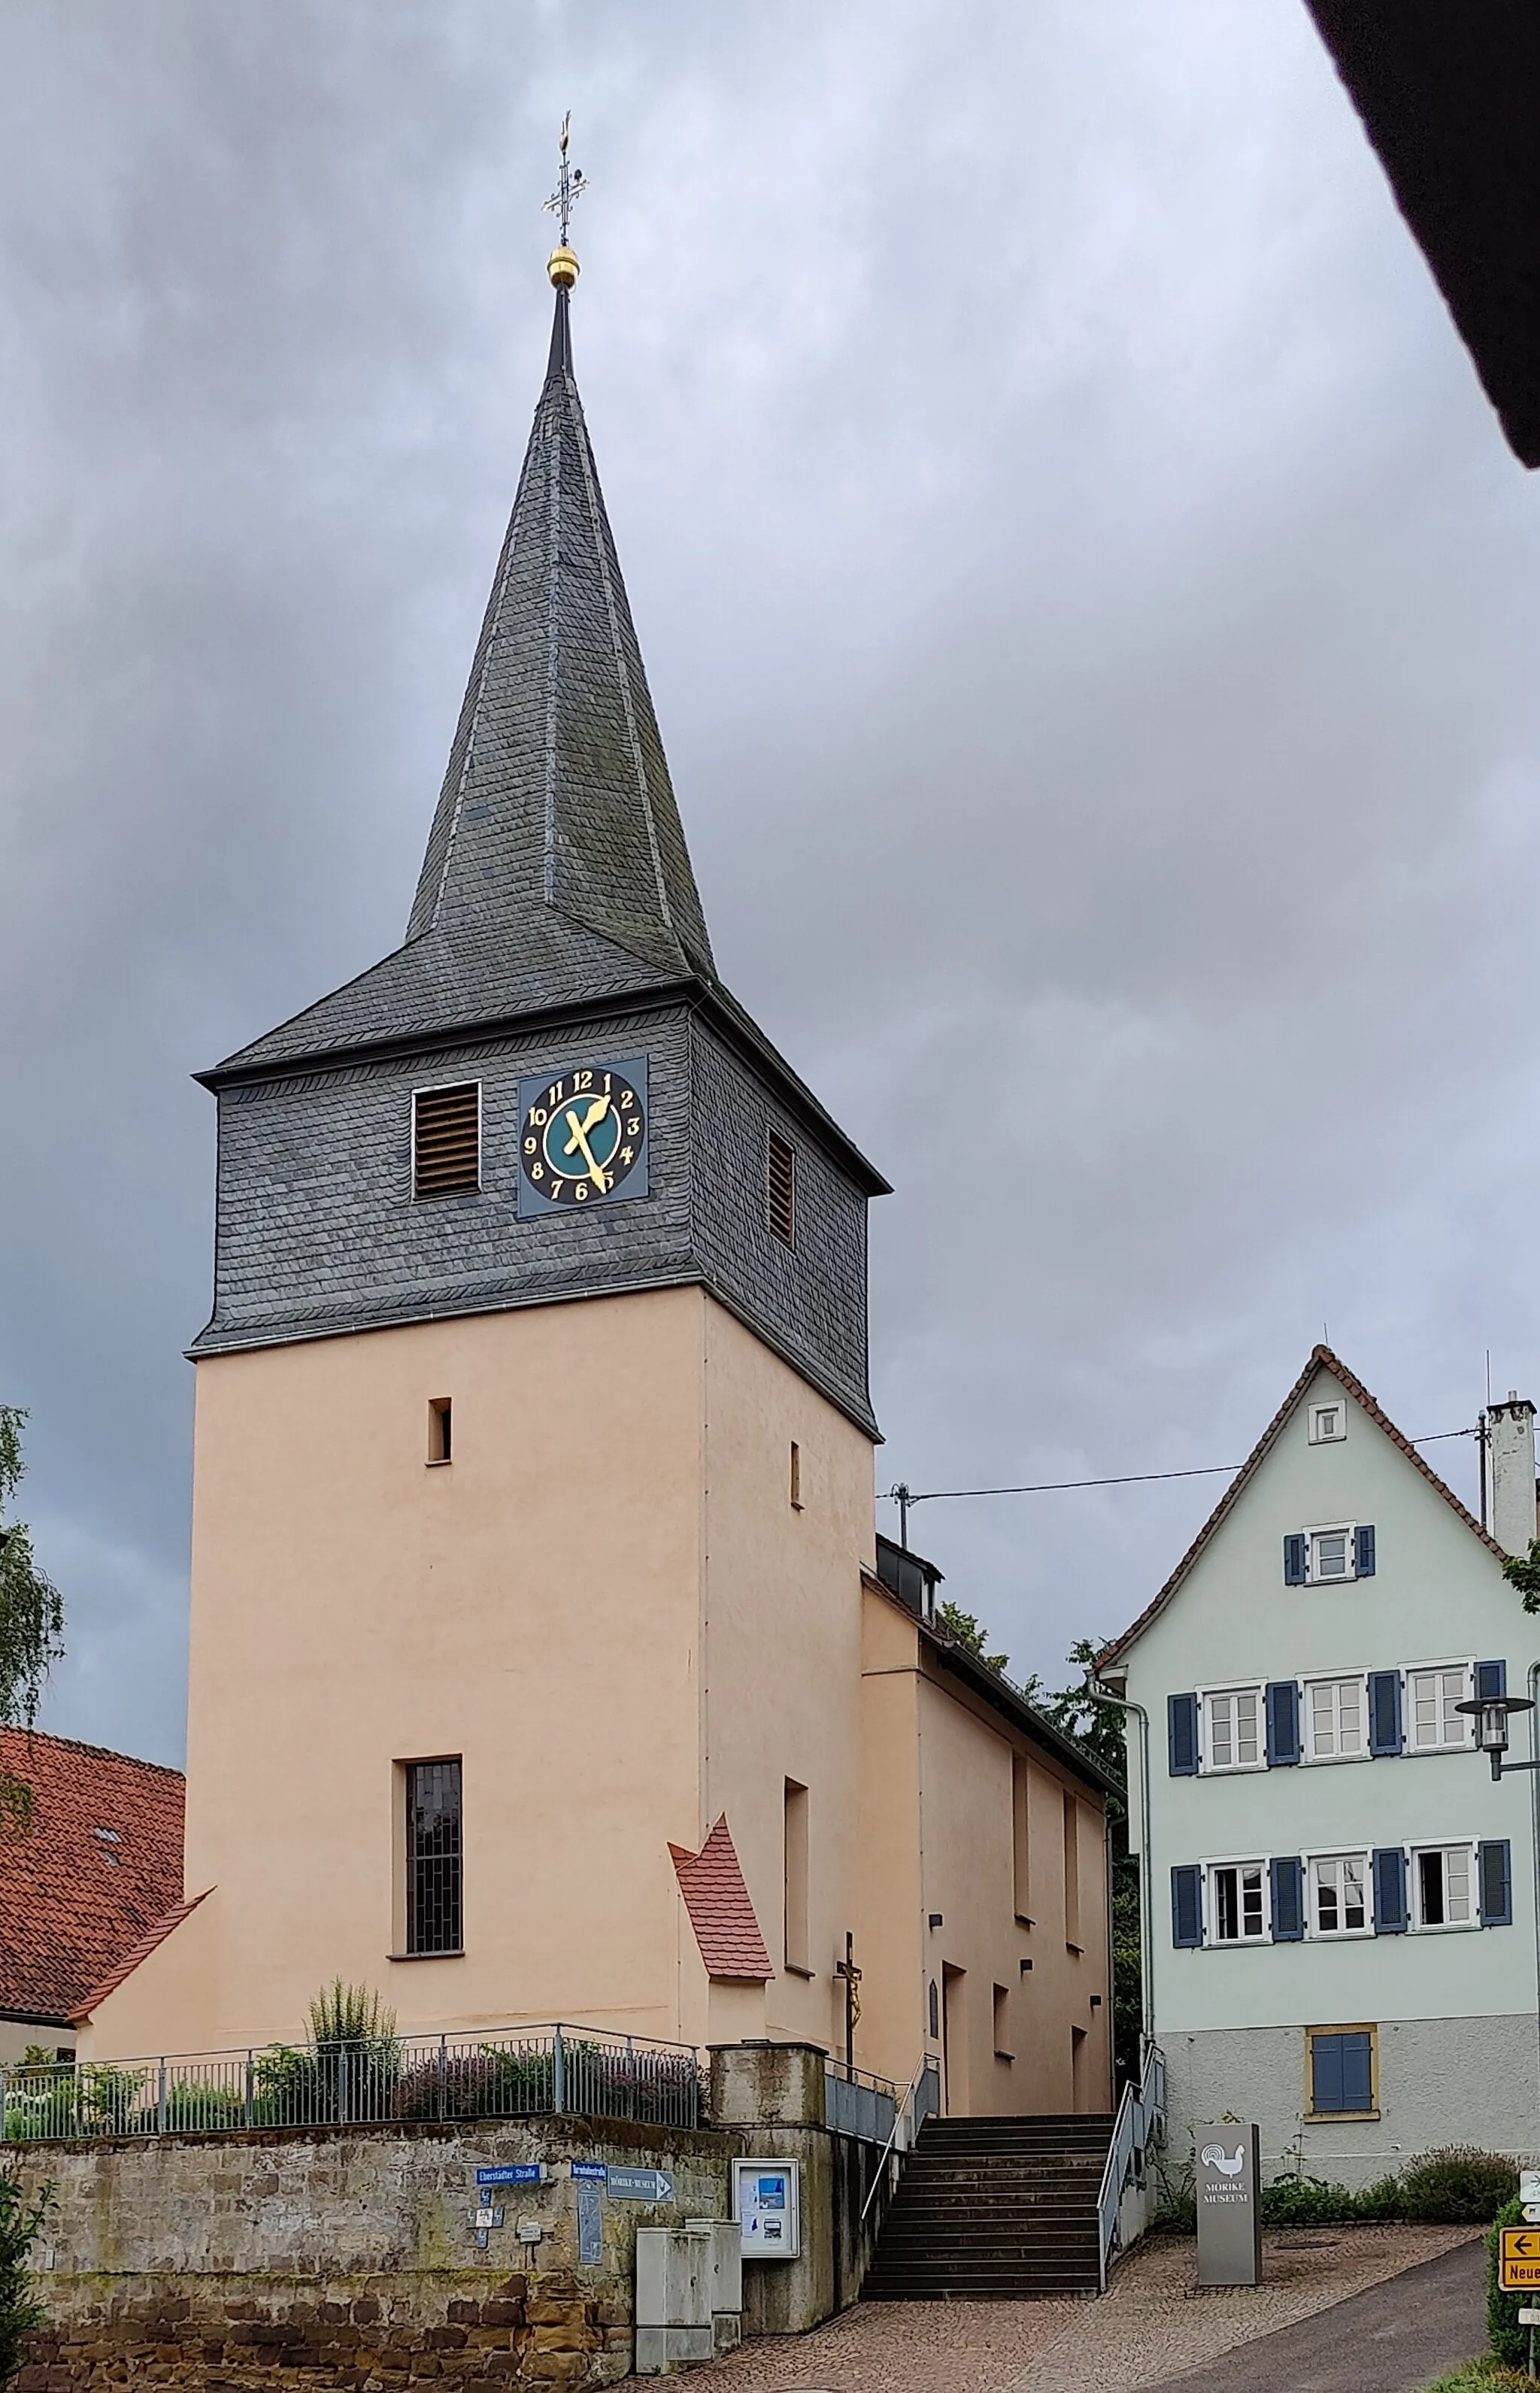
[76,1745]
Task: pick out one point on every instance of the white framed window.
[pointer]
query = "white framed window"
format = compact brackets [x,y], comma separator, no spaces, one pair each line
[1330,1553]
[1234,1908]
[1433,1724]
[1336,1719]
[1444,1887]
[1339,1903]
[1328,1423]
[1233,1737]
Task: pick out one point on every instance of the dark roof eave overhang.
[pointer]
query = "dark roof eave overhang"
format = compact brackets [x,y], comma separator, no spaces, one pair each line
[720,1010]
[999,1693]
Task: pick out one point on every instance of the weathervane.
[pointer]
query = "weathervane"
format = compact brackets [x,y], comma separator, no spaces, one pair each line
[572,183]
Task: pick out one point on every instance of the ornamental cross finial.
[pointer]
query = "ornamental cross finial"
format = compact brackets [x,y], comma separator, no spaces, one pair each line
[572,183]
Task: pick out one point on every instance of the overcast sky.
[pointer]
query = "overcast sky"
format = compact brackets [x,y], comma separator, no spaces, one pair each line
[1091,615]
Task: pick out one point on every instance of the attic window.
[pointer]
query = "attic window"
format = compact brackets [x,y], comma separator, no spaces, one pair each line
[445,1140]
[782,1190]
[1328,1423]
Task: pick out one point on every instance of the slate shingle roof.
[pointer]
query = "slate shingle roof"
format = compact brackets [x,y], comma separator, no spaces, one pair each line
[722,1912]
[557,873]
[73,1902]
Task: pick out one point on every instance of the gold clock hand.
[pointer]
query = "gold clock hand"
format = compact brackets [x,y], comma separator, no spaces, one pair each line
[578,1140]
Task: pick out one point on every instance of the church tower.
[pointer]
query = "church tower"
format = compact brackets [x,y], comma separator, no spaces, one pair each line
[533,1450]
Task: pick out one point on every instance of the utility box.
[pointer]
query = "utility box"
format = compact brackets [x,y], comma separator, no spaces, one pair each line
[767,2204]
[673,2300]
[724,2241]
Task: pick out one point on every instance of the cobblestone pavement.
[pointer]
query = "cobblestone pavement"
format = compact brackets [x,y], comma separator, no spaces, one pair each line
[1153,2325]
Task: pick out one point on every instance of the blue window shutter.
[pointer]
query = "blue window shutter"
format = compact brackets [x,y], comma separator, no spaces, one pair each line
[1495,1868]
[1385,1735]
[1491,1681]
[1363,1553]
[1181,1732]
[1357,2074]
[1288,1899]
[1325,2073]
[1294,1561]
[1390,1866]
[1283,1723]
[1186,1905]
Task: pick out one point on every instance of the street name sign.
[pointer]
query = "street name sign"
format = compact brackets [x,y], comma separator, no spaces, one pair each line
[1518,2259]
[512,2173]
[597,2169]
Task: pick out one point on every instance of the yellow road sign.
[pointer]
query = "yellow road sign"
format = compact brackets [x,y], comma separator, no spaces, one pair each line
[1518,2260]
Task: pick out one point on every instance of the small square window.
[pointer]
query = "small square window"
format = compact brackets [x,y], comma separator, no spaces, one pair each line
[1328,1424]
[1339,1894]
[1238,1902]
[1444,1887]
[1435,1723]
[1233,1733]
[1331,1554]
[1340,2073]
[1335,1720]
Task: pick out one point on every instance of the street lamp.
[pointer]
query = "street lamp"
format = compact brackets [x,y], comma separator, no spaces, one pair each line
[1491,1715]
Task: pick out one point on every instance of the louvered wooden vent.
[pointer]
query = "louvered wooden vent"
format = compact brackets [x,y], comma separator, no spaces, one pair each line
[445,1140]
[781,1189]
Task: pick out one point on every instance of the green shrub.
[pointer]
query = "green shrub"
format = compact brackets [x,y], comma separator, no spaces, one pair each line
[1306,2201]
[20,2313]
[1383,2199]
[1457,2186]
[1509,2341]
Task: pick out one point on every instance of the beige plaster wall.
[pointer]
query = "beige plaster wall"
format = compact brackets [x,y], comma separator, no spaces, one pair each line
[781,1637]
[938,1837]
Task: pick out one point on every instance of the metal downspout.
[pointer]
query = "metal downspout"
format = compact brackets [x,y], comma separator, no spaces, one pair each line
[1534,1846]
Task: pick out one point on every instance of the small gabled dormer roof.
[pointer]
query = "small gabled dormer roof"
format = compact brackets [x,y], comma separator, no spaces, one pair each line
[1321,1360]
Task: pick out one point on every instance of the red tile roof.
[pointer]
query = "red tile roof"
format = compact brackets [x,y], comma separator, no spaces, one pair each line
[1322,1359]
[720,1910]
[99,1863]
[136,1954]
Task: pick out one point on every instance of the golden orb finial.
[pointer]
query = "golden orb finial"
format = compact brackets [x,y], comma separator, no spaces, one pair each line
[570,186]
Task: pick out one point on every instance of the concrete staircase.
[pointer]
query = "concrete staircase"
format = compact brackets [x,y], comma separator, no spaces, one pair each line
[994,2210]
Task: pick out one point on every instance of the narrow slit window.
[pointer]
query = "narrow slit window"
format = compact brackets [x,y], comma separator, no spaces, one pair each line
[441,1429]
[1021,1836]
[1072,1872]
[796,1877]
[434,1857]
[781,1189]
[1002,2024]
[796,1475]
[445,1140]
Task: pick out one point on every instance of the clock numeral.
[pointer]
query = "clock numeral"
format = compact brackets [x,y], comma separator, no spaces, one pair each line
[628,1154]
[555,1093]
[532,1146]
[580,1192]
[538,1116]
[608,1084]
[633,1129]
[537,1172]
[627,1097]
[582,1083]
[557,1187]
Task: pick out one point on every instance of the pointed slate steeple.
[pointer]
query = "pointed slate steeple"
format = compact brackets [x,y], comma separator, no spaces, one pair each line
[556,870]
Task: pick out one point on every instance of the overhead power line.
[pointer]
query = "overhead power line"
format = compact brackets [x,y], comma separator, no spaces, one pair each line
[904,1497]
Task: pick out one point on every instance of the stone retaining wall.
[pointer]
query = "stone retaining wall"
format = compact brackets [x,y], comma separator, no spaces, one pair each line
[345,2257]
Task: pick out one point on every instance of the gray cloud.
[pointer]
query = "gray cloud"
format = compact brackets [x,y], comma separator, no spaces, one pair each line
[1089,609]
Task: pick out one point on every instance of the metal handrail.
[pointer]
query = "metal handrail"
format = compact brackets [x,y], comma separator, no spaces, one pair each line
[926,2064]
[1138,2114]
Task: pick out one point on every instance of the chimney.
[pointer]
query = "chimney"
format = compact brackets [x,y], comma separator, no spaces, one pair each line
[1510,1432]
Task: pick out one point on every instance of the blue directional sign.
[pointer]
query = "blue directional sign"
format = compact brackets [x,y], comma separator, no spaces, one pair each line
[591,2169]
[511,2172]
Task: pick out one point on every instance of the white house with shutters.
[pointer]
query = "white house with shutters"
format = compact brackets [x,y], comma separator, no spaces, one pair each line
[1340,1900]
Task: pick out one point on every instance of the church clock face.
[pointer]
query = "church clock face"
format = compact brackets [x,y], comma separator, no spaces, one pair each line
[582,1135]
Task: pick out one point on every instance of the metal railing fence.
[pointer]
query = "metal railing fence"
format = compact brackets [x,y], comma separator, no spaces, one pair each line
[856,2103]
[509,2074]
